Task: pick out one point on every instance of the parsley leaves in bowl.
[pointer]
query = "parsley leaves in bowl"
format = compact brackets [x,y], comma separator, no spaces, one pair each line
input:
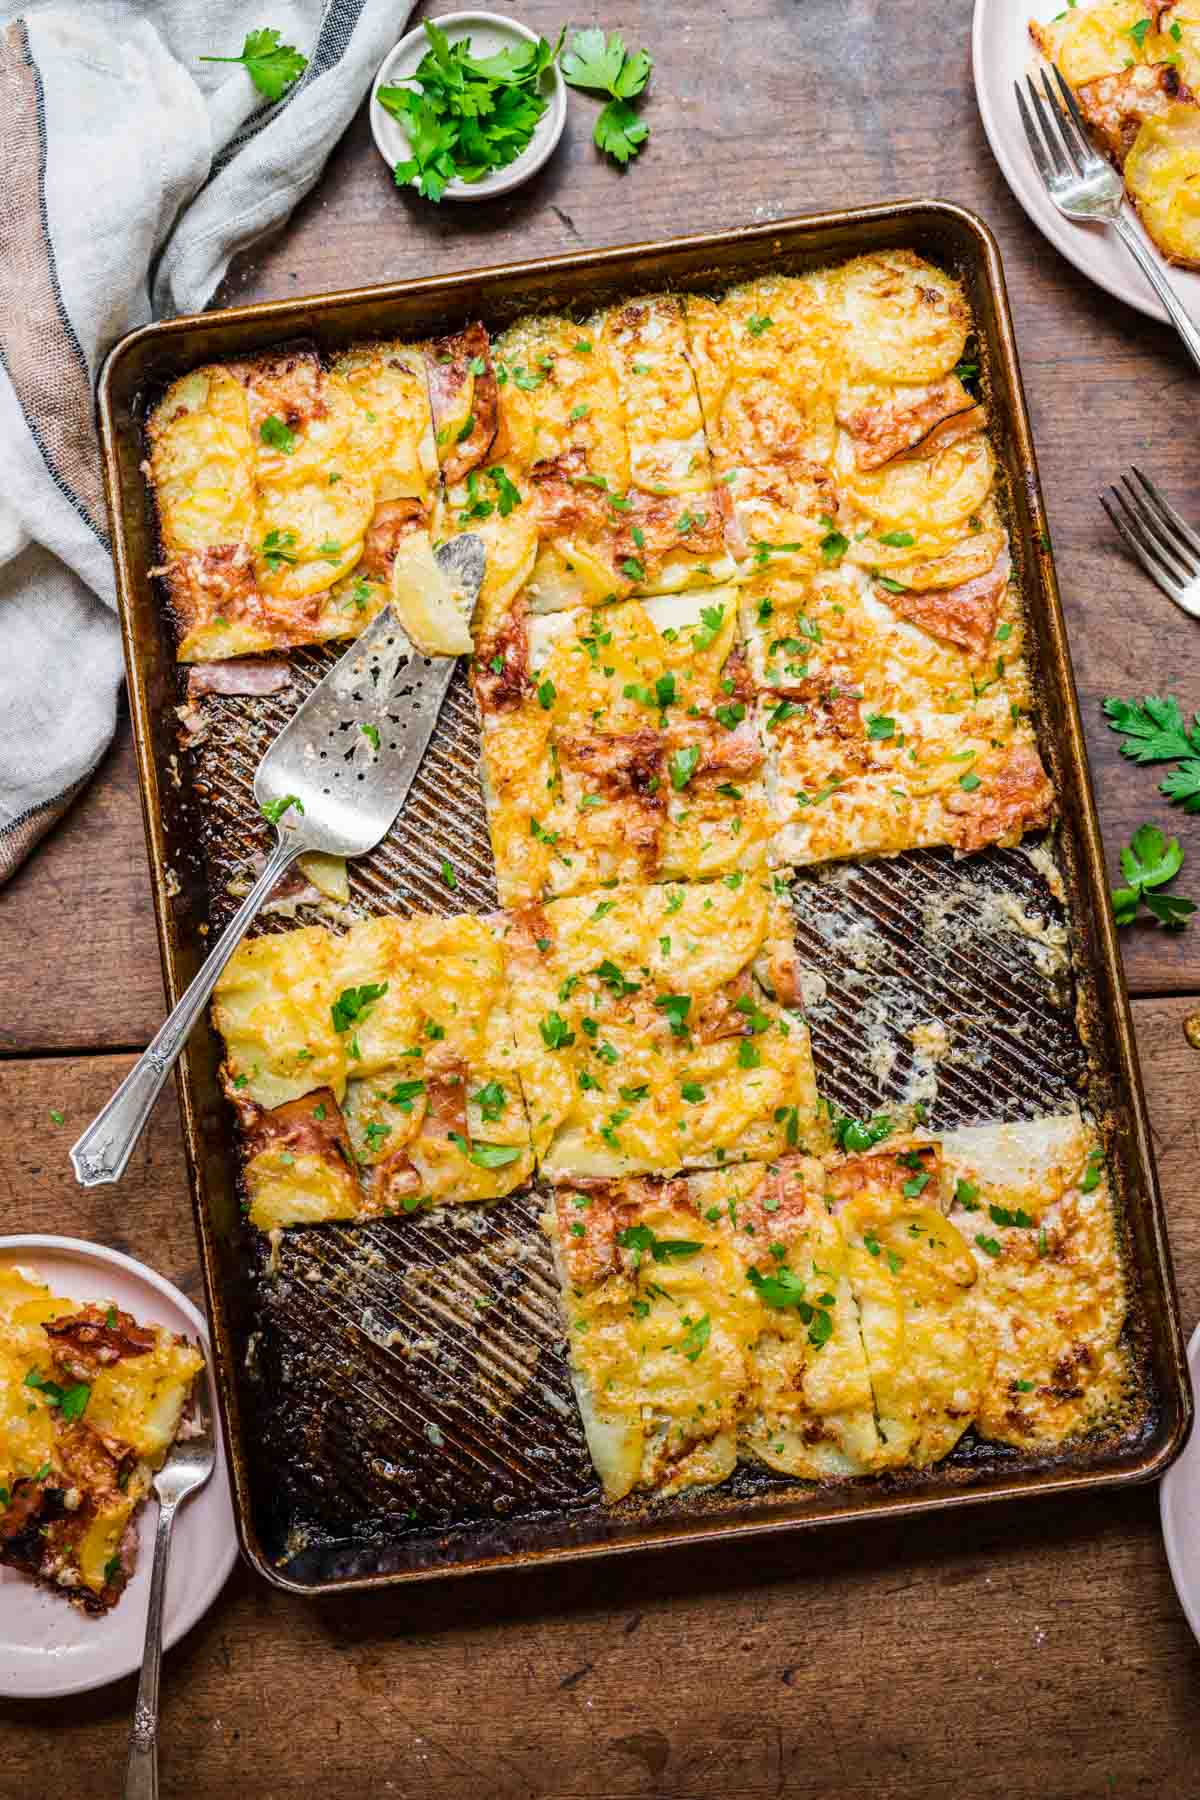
[468,107]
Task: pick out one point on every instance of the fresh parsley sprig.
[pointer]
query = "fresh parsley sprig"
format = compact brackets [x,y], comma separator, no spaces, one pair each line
[1148,863]
[1154,731]
[466,115]
[604,66]
[272,67]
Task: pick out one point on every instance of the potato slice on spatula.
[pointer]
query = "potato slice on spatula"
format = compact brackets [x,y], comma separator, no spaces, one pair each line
[333,781]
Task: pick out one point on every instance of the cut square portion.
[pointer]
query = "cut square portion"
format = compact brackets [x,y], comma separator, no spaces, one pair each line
[621,745]
[1049,1301]
[707,1317]
[911,1274]
[658,1028]
[275,478]
[373,1071]
[90,1403]
[767,360]
[883,734]
[607,436]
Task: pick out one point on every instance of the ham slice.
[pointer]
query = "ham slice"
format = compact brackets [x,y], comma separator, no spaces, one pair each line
[1016,799]
[449,366]
[964,615]
[902,419]
[241,675]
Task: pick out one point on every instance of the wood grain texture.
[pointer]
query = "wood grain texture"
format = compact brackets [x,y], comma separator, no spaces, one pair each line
[1034,1652]
[758,109]
[1031,1652]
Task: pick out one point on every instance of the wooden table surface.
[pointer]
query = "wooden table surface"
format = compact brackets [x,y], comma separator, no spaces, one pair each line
[1033,1651]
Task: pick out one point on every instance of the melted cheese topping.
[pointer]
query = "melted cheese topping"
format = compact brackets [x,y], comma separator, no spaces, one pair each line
[910,1271]
[678,1362]
[1048,1303]
[881,737]
[631,1023]
[628,756]
[131,1408]
[267,475]
[1163,175]
[397,1007]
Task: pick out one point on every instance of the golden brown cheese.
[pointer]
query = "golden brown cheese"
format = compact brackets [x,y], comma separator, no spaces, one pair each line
[658,1028]
[1135,70]
[883,731]
[90,1403]
[1048,1302]
[627,751]
[911,1273]
[401,1031]
[275,478]
[710,1317]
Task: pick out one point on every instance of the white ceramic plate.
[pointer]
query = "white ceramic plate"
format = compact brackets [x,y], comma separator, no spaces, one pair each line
[47,1647]
[1003,53]
[1179,1505]
[489,33]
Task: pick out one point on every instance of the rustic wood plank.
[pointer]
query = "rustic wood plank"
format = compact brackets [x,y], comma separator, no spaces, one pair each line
[79,967]
[797,127]
[1039,1647]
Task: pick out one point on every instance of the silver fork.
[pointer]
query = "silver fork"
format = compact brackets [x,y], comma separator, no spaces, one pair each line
[1161,539]
[1084,186]
[188,1466]
[333,780]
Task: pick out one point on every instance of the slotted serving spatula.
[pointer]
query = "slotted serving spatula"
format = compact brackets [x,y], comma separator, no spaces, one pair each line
[345,763]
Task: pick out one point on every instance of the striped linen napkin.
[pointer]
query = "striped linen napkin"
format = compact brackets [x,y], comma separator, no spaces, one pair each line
[133,173]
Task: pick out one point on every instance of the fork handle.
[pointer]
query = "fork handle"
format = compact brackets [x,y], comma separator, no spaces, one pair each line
[102,1153]
[141,1768]
[1155,274]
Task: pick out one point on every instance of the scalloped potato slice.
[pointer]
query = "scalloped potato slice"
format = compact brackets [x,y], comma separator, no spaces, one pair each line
[1088,42]
[903,320]
[1162,173]
[930,499]
[202,461]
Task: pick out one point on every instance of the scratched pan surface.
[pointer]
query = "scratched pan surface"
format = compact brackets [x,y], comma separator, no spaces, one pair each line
[395,1396]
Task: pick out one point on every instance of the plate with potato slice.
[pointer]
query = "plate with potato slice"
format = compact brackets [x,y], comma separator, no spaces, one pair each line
[1134,67]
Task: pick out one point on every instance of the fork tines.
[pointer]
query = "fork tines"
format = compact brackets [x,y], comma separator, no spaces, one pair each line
[1060,143]
[1161,539]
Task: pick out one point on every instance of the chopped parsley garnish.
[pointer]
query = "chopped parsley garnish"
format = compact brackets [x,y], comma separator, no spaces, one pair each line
[757,323]
[491,1101]
[695,1337]
[988,1245]
[277,549]
[404,1093]
[682,765]
[354,1003]
[371,733]
[880,727]
[676,1007]
[273,810]
[486,1156]
[274,432]
[272,67]
[641,1241]
[556,1033]
[1001,1215]
[1093,1170]
[449,878]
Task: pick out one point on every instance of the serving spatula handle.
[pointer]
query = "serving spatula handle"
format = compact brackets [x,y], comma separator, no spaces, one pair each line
[102,1153]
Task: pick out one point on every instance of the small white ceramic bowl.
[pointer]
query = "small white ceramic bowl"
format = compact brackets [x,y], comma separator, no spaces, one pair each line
[489,33]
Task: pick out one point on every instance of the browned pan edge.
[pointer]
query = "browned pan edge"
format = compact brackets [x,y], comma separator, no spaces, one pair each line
[949,233]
